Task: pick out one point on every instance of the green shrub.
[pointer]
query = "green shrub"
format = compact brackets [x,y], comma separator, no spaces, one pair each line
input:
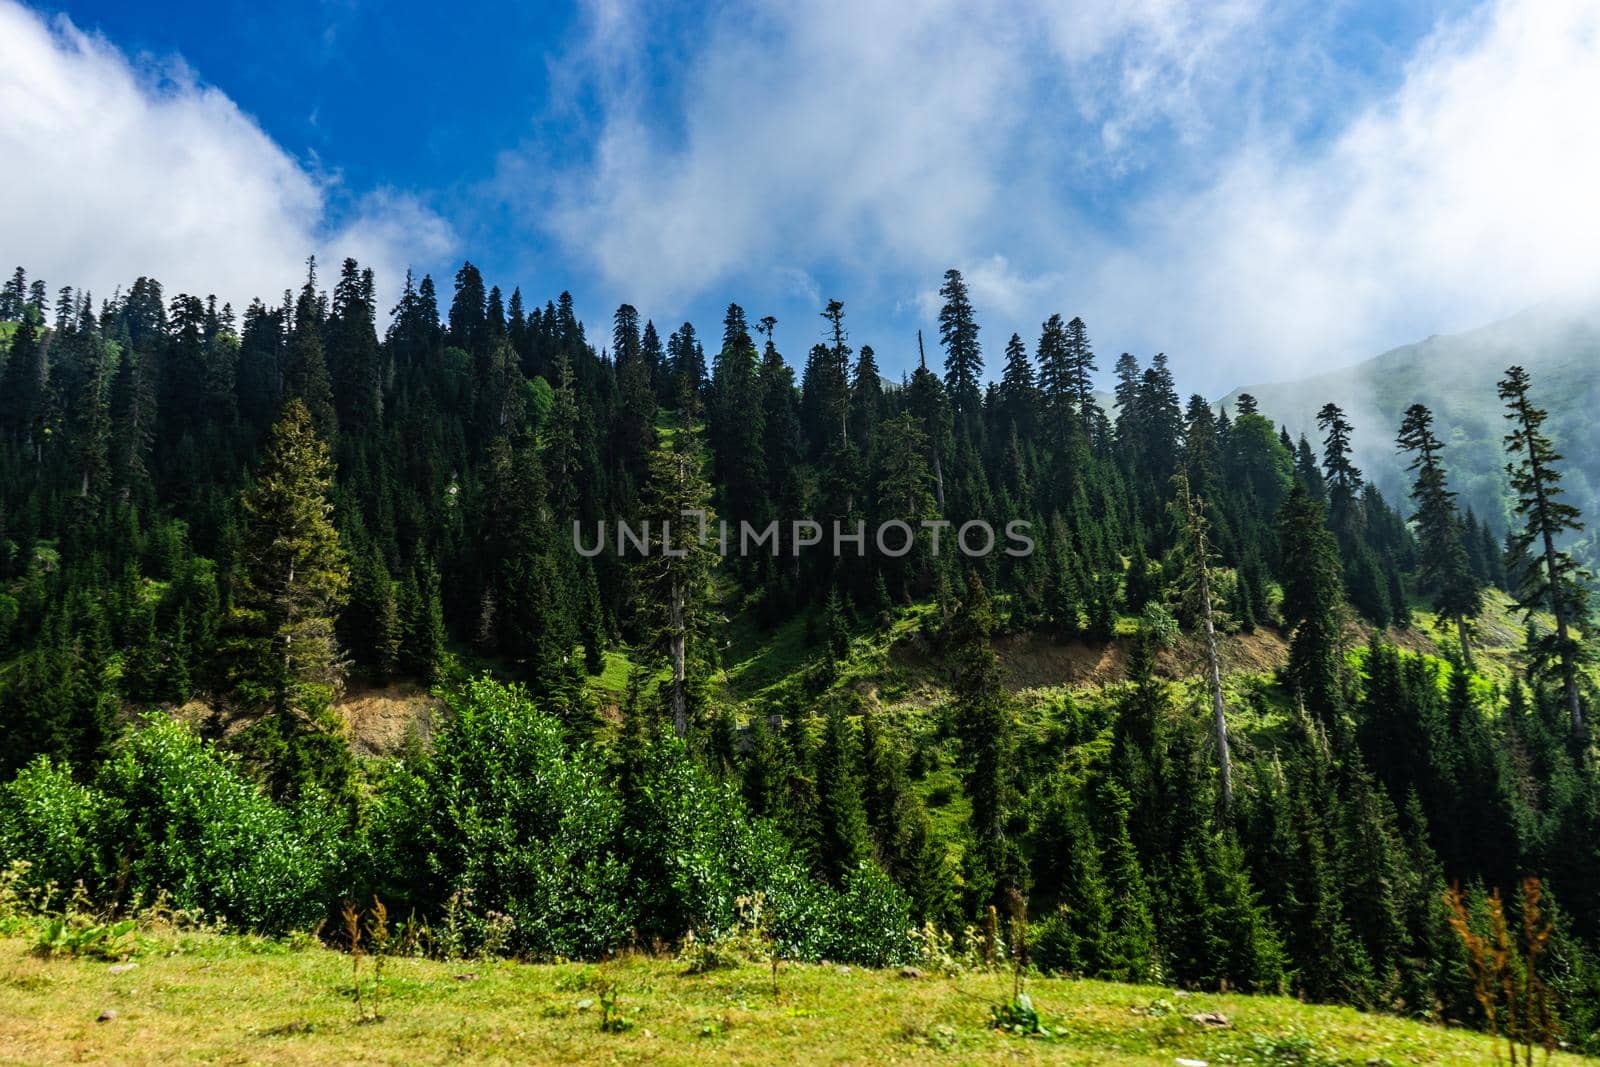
[78,934]
[167,813]
[181,818]
[51,822]
[505,815]
[698,852]
[868,921]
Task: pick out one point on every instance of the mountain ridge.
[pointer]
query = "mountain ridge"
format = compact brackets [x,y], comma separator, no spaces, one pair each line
[1456,375]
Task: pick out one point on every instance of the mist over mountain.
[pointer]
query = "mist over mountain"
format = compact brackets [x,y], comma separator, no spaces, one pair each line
[1456,375]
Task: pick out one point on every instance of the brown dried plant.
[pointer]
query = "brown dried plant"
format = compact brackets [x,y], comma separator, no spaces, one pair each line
[1517,1003]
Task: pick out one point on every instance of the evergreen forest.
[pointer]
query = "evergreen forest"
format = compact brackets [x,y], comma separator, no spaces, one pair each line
[1237,721]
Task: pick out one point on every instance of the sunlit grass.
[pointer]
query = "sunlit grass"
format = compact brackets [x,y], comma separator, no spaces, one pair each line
[206,998]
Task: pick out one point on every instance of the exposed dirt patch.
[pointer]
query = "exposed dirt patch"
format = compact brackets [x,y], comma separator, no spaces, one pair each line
[1033,661]
[376,719]
[380,719]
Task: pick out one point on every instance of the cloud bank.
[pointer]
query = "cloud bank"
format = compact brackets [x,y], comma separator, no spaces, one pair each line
[1257,189]
[1212,180]
[116,167]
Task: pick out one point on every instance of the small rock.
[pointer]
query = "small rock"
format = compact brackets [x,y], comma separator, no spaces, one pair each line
[646,1034]
[107,1015]
[910,972]
[844,970]
[120,968]
[1214,1019]
[1192,1063]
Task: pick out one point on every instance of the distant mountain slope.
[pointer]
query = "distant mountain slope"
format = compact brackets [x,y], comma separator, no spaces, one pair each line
[1456,375]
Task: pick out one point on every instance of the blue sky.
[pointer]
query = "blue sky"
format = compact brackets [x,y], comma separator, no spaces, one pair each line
[1258,189]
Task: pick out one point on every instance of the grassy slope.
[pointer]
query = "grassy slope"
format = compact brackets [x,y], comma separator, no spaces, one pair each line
[206,998]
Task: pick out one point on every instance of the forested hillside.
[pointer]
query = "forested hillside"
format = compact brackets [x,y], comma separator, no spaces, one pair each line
[1323,706]
[1455,375]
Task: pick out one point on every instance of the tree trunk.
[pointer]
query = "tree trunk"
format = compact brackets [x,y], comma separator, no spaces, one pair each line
[1219,719]
[1569,669]
[1466,646]
[680,698]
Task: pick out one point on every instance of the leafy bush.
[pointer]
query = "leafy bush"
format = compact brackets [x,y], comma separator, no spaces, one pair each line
[506,837]
[181,818]
[868,921]
[697,852]
[168,814]
[505,815]
[50,822]
[1054,947]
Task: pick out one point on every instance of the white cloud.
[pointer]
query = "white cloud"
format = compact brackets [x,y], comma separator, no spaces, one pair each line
[115,169]
[1464,196]
[996,286]
[1148,165]
[860,134]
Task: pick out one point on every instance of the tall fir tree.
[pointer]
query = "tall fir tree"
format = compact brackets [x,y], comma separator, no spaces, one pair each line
[958,332]
[1312,602]
[1546,577]
[293,578]
[674,574]
[1444,566]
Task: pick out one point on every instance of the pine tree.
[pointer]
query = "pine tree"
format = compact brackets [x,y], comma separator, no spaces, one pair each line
[1160,416]
[292,581]
[1080,370]
[14,297]
[1554,581]
[22,390]
[1129,435]
[735,424]
[780,425]
[1018,394]
[927,401]
[1343,476]
[1055,371]
[469,321]
[90,420]
[866,398]
[637,410]
[305,366]
[673,586]
[904,491]
[1445,566]
[765,770]
[352,353]
[841,812]
[133,418]
[423,646]
[1196,545]
[984,732]
[1312,605]
[958,332]
[525,567]
[687,359]
[372,627]
[563,453]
